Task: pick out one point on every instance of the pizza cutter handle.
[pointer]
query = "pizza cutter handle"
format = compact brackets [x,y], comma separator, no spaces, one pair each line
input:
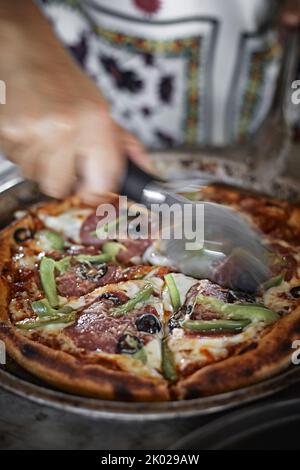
[135,181]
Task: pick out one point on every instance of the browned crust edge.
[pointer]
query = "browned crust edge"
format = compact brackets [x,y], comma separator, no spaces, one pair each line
[66,372]
[272,355]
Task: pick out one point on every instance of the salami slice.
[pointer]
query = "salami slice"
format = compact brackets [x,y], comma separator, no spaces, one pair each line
[75,282]
[96,330]
[206,288]
[134,251]
[87,235]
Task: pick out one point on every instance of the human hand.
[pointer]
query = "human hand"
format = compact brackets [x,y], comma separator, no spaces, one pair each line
[290,13]
[56,125]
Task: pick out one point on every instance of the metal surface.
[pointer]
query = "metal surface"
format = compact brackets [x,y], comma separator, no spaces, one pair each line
[27,387]
[245,429]
[16,380]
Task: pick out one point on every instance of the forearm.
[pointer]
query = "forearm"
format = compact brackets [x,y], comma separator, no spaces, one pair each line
[23,25]
[33,58]
[21,13]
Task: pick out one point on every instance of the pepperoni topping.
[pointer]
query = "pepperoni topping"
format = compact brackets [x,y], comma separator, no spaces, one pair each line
[134,249]
[208,289]
[203,312]
[87,235]
[89,226]
[96,330]
[161,271]
[232,273]
[72,283]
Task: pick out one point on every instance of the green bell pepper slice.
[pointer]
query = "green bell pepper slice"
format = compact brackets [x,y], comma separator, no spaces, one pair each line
[47,275]
[45,321]
[215,325]
[104,230]
[273,282]
[168,363]
[42,308]
[173,291]
[113,248]
[50,240]
[213,304]
[63,264]
[141,296]
[250,312]
[141,355]
[103,258]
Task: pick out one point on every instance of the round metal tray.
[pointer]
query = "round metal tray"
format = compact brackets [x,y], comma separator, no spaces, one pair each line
[246,430]
[18,381]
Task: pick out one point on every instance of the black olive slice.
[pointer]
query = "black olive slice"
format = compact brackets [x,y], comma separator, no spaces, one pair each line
[240,296]
[110,296]
[91,272]
[173,323]
[129,344]
[148,323]
[295,292]
[23,234]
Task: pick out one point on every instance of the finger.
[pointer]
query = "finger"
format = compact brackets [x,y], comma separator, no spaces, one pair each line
[140,157]
[27,159]
[57,174]
[95,199]
[290,13]
[101,171]
[137,152]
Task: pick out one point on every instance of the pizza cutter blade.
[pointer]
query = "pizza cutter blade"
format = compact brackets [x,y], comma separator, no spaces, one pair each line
[231,251]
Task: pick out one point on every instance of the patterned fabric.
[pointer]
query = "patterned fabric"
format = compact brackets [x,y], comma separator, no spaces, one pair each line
[148,6]
[176,73]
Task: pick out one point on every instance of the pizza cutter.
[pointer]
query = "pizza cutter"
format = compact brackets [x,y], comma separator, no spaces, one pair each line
[232,252]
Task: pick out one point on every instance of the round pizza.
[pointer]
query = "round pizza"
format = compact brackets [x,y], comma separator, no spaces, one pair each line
[112,319]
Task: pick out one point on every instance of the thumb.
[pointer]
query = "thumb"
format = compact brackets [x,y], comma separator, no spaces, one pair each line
[136,151]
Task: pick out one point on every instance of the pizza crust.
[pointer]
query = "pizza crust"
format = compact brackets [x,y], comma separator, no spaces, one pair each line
[69,373]
[255,363]
[268,357]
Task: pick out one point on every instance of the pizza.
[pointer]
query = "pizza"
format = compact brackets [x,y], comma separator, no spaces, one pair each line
[112,319]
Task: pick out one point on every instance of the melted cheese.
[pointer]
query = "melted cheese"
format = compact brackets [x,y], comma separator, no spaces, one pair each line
[153,352]
[20,309]
[23,261]
[183,284]
[203,350]
[68,223]
[276,298]
[130,288]
[132,365]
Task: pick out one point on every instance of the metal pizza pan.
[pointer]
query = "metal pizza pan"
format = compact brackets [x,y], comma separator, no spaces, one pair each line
[17,194]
